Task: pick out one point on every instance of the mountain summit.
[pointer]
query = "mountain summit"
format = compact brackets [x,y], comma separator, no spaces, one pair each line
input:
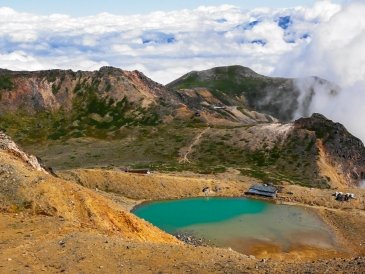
[241,86]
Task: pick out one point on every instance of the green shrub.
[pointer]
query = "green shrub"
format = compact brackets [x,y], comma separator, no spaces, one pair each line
[6,83]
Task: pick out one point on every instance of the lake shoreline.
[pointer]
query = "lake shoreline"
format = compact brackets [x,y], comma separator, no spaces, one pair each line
[295,220]
[347,219]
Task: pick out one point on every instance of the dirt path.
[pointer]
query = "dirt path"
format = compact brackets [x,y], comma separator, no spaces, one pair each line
[184,158]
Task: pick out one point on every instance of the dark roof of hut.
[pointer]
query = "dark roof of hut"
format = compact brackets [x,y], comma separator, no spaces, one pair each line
[263,190]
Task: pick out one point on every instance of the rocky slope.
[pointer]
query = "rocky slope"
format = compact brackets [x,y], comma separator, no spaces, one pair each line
[53,104]
[8,145]
[53,90]
[26,187]
[242,87]
[310,151]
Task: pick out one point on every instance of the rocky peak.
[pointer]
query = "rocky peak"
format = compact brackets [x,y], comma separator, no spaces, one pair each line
[54,90]
[109,69]
[343,150]
[328,130]
[8,145]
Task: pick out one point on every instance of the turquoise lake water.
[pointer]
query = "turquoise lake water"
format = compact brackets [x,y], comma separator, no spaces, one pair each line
[240,223]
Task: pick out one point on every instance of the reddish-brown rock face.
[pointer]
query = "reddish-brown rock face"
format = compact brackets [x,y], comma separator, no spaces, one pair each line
[55,89]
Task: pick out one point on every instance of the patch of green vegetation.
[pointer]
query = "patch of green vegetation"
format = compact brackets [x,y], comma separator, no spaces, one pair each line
[25,128]
[138,145]
[310,145]
[108,87]
[52,76]
[6,82]
[55,88]
[226,84]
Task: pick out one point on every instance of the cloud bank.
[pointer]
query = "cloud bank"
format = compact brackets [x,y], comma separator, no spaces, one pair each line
[164,45]
[337,53]
[326,39]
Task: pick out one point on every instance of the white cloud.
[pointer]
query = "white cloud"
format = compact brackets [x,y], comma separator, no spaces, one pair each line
[19,60]
[336,53]
[165,44]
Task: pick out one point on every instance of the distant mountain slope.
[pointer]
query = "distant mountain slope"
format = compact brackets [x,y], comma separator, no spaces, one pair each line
[56,104]
[241,86]
[206,122]
[53,90]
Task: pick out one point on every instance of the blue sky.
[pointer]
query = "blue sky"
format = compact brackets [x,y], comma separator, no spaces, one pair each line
[91,7]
